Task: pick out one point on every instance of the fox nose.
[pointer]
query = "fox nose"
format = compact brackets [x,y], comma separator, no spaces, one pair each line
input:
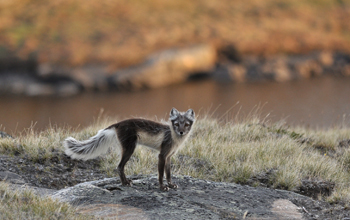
[181,133]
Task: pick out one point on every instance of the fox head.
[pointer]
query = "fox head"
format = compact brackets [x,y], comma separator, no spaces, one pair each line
[182,121]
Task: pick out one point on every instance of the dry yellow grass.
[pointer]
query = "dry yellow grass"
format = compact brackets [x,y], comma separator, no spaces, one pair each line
[25,204]
[237,151]
[230,151]
[123,32]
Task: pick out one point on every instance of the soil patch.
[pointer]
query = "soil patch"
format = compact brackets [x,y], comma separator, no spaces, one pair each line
[57,172]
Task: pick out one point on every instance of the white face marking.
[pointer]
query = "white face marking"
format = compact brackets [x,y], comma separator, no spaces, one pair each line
[149,140]
[178,141]
[182,121]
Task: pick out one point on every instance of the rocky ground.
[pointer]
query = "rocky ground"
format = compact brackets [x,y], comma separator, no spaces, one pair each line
[56,172]
[83,183]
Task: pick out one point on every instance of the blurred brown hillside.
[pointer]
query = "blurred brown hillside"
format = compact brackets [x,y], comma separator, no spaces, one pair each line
[123,32]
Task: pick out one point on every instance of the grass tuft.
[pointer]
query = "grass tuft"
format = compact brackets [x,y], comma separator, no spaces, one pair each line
[25,204]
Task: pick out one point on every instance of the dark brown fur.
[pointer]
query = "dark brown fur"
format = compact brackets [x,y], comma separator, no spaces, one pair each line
[127,134]
[165,138]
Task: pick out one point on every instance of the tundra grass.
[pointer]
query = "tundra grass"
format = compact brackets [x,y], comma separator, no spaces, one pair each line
[230,151]
[25,204]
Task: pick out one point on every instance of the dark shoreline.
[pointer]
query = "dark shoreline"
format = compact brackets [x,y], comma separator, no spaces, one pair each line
[30,78]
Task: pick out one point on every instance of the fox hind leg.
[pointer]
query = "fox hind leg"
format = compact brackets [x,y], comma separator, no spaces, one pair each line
[128,148]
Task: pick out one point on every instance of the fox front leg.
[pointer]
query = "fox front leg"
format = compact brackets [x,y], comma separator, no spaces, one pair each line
[168,174]
[161,166]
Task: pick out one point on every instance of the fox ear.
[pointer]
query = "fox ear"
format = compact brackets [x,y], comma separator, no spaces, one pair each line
[174,113]
[190,114]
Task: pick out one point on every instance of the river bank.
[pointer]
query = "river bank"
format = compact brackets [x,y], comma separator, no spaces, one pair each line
[166,68]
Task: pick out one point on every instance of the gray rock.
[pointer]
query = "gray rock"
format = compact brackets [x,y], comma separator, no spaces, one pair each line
[194,199]
[71,80]
[169,67]
[166,68]
[25,84]
[277,69]
[307,67]
[226,72]
[283,68]
[15,83]
[19,186]
[161,69]
[11,177]
[5,135]
[39,89]
[67,89]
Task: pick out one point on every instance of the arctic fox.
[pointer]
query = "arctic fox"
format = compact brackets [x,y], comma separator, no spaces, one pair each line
[125,135]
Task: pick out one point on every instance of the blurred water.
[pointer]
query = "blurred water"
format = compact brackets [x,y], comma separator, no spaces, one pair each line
[319,102]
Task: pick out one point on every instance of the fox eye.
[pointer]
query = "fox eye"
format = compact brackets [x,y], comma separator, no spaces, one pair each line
[187,125]
[176,124]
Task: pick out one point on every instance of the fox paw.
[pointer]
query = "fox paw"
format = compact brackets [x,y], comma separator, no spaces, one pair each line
[127,182]
[164,188]
[172,186]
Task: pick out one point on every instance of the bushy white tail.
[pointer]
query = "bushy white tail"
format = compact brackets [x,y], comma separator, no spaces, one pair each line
[93,147]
